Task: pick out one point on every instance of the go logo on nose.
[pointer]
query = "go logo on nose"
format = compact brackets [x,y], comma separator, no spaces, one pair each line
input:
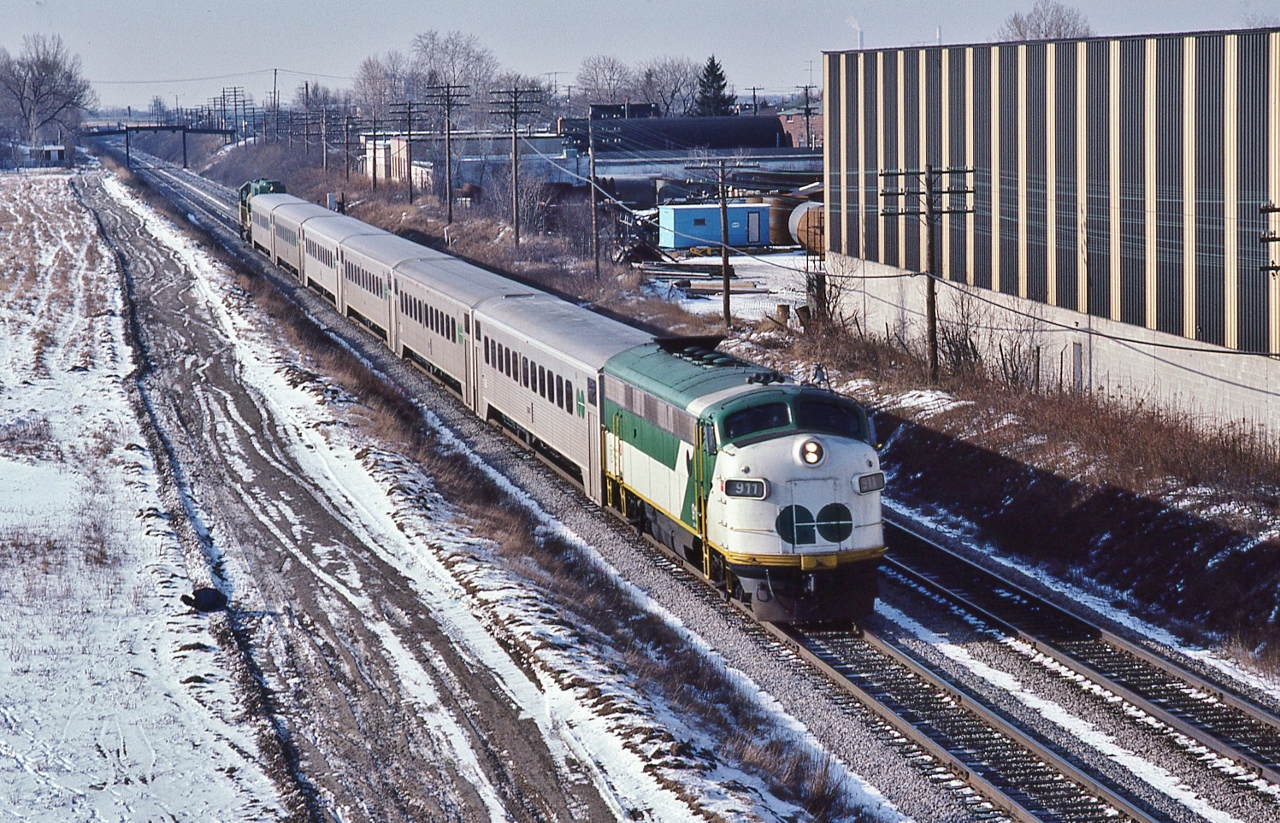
[798,526]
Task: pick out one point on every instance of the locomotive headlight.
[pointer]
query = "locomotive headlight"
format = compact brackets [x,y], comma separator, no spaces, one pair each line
[812,453]
[868,483]
[745,488]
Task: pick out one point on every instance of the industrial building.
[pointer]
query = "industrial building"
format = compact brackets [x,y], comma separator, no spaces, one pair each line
[1118,186]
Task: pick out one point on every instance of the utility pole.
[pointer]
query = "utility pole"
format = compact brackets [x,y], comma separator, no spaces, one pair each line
[447,96]
[407,109]
[808,112]
[722,167]
[373,145]
[324,140]
[306,119]
[275,98]
[515,101]
[595,204]
[1269,235]
[346,147]
[931,209]
[755,107]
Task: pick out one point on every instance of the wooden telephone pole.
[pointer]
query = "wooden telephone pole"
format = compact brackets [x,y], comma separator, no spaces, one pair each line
[515,102]
[447,96]
[722,168]
[931,209]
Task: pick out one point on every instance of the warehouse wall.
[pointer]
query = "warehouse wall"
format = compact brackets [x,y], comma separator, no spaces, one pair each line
[1122,177]
[1076,352]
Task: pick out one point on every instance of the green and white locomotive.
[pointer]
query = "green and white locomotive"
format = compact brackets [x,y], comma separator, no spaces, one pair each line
[772,489]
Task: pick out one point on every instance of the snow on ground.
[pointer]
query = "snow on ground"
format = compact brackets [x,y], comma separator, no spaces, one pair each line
[781,274]
[114,703]
[578,694]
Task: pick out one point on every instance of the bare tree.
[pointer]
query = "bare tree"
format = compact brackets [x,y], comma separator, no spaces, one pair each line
[45,86]
[1259,20]
[669,83]
[381,81]
[316,96]
[605,79]
[457,59]
[1047,20]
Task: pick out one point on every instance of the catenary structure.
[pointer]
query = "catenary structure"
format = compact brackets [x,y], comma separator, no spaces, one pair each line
[771,489]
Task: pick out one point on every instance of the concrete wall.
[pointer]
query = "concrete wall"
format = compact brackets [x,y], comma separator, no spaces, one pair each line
[1076,351]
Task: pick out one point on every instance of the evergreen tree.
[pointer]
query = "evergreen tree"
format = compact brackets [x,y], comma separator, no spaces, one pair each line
[713,100]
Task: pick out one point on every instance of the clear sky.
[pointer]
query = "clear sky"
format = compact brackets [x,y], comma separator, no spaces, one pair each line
[133,50]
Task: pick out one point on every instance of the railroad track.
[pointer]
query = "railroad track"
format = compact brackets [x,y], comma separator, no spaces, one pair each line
[1024,779]
[1212,714]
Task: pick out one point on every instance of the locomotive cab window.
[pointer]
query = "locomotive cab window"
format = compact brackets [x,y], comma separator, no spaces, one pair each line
[756,419]
[828,416]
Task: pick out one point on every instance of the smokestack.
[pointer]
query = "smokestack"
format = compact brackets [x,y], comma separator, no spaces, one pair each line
[859,39]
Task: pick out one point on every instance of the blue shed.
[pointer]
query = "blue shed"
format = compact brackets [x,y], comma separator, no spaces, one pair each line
[680,227]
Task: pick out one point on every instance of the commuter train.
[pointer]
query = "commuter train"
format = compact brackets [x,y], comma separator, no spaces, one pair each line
[770,488]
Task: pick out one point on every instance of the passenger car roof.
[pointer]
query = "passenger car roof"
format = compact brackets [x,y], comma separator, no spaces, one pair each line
[576,332]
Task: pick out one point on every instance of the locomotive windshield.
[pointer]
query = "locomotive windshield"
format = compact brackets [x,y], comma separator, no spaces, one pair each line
[807,412]
[829,416]
[756,419]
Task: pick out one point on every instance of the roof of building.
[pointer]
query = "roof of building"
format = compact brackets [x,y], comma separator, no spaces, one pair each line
[684,133]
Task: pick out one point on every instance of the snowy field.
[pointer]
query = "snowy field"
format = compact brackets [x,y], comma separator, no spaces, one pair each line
[113,704]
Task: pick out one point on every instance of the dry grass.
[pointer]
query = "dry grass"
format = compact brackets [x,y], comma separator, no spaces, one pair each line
[30,437]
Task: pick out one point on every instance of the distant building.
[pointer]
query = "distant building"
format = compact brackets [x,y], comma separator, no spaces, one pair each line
[803,132]
[680,134]
[682,227]
[1123,196]
[624,111]
[641,161]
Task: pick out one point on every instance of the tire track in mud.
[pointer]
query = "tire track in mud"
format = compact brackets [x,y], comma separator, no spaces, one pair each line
[348,739]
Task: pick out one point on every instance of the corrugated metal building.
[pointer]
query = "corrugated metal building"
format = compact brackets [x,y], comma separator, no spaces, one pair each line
[1124,175]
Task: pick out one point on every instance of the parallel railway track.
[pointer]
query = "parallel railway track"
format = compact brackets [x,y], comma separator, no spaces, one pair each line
[1210,713]
[1024,778]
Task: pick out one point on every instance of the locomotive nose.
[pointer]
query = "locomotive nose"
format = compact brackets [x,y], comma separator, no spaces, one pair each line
[813,512]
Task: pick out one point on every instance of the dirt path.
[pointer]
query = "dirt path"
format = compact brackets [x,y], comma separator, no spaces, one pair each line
[325,629]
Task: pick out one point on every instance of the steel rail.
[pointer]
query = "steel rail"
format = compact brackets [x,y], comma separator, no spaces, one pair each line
[1046,796]
[1208,713]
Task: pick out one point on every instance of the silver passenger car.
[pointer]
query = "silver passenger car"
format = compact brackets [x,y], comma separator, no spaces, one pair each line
[287,220]
[540,370]
[261,233]
[322,238]
[434,301]
[366,263]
